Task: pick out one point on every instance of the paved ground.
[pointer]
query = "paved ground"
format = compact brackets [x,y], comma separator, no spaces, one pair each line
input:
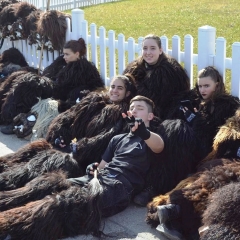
[128,224]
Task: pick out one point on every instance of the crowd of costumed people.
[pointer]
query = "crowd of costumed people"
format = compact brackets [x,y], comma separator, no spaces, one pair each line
[147,138]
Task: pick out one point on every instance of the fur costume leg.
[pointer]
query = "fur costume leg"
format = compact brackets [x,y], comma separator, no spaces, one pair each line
[222,216]
[42,162]
[23,155]
[36,189]
[66,214]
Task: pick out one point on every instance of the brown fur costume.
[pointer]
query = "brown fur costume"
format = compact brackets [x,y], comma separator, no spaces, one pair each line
[93,122]
[222,216]
[226,144]
[24,93]
[165,83]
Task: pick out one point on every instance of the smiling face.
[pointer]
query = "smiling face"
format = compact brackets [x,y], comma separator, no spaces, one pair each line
[69,55]
[117,90]
[207,87]
[151,51]
[139,109]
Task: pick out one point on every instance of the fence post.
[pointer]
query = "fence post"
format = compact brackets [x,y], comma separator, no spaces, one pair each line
[188,57]
[176,47]
[102,44]
[112,58]
[206,45]
[235,85]
[77,19]
[121,53]
[219,60]
[164,43]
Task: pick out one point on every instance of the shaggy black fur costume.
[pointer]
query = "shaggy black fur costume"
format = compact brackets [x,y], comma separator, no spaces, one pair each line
[52,26]
[166,84]
[70,79]
[222,216]
[23,155]
[93,122]
[13,55]
[66,214]
[24,93]
[178,159]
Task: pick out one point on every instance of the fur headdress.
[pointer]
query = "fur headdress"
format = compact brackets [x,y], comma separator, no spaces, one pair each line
[52,27]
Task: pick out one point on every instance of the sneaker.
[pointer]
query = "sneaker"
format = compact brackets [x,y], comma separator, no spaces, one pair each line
[169,232]
[7,129]
[144,197]
[168,212]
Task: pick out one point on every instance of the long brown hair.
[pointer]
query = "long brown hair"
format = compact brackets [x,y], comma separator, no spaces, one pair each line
[214,74]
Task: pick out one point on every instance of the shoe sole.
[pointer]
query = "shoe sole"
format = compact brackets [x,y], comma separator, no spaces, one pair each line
[161,213]
[169,233]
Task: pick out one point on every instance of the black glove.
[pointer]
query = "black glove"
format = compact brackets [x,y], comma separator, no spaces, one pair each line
[141,131]
[59,142]
[91,167]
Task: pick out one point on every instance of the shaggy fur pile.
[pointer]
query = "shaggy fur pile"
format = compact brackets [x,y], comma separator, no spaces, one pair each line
[93,122]
[178,158]
[227,140]
[222,216]
[24,93]
[52,27]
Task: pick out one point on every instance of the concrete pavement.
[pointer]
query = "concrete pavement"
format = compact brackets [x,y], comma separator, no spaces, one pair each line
[128,224]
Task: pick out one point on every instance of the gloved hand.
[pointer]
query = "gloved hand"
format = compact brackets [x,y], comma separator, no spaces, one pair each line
[141,131]
[91,167]
[59,142]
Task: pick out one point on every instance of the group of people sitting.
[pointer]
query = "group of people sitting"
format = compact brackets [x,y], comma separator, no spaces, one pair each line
[146,138]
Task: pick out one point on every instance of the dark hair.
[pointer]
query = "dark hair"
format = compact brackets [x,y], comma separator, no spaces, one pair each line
[149,102]
[129,84]
[214,74]
[157,39]
[77,46]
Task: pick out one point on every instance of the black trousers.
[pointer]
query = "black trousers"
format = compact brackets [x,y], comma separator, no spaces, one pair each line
[117,191]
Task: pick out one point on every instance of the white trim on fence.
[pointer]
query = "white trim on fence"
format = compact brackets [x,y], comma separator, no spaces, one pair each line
[104,48]
[63,5]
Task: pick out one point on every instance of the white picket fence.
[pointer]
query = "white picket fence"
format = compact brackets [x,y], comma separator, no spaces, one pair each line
[63,5]
[111,54]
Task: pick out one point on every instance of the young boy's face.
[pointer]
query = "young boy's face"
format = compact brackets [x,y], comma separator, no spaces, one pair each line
[139,109]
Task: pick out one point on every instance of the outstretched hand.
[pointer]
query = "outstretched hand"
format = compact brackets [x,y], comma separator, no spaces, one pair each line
[137,125]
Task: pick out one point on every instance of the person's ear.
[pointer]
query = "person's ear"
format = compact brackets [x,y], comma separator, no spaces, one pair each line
[150,116]
[128,93]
